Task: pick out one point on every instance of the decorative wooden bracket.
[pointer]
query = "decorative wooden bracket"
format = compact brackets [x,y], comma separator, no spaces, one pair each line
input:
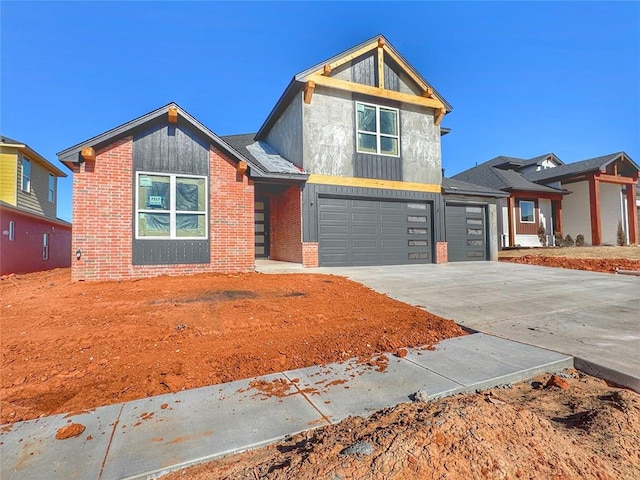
[309,87]
[173,115]
[326,70]
[428,93]
[381,44]
[439,116]
[242,167]
[89,154]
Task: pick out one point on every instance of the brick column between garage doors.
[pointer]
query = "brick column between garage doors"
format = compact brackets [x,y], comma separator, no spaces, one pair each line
[441,252]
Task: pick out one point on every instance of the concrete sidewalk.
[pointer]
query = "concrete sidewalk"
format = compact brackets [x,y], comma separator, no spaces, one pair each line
[592,316]
[144,438]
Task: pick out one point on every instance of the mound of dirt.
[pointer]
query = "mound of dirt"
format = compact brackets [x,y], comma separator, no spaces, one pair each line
[607,265]
[588,431]
[75,346]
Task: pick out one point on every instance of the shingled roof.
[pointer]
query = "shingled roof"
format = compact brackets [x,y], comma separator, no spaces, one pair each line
[264,155]
[576,168]
[489,174]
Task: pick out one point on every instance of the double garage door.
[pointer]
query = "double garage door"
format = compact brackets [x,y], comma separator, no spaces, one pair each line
[373,232]
[466,232]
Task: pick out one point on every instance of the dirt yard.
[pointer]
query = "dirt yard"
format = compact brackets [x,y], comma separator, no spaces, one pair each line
[74,346]
[595,259]
[586,430]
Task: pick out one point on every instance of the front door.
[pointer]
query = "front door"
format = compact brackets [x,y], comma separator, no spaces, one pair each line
[261,227]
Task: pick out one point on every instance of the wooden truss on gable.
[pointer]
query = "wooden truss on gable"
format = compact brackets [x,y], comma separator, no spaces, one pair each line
[322,77]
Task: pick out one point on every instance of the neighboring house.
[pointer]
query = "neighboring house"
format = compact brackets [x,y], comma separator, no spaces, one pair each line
[32,237]
[591,197]
[346,170]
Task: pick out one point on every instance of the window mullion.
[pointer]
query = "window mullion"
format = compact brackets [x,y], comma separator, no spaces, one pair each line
[172,207]
[378,146]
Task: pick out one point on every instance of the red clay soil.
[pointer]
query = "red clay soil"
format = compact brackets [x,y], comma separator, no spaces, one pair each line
[607,265]
[74,346]
[576,427]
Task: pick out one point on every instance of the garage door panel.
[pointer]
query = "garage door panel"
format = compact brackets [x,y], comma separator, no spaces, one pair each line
[466,233]
[373,232]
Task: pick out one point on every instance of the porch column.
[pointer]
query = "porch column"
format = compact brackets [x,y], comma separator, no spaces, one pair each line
[558,226]
[631,213]
[594,206]
[510,213]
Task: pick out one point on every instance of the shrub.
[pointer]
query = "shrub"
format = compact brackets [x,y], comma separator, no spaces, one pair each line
[559,241]
[542,235]
[580,240]
[568,241]
[622,239]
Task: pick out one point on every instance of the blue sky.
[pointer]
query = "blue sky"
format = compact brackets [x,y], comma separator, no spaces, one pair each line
[523,78]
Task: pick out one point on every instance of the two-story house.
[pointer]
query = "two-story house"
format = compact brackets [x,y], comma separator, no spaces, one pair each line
[32,237]
[345,170]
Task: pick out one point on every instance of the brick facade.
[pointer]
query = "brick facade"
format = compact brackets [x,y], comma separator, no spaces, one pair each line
[286,226]
[310,257]
[441,252]
[103,218]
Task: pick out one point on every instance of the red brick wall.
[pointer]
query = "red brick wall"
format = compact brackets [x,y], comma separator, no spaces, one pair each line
[103,218]
[23,254]
[286,226]
[441,252]
[310,255]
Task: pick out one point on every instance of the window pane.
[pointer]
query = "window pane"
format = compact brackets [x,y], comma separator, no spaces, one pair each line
[388,123]
[474,231]
[474,209]
[418,206]
[26,175]
[526,212]
[417,231]
[153,225]
[367,143]
[389,145]
[417,243]
[190,194]
[366,118]
[154,192]
[416,218]
[189,225]
[474,221]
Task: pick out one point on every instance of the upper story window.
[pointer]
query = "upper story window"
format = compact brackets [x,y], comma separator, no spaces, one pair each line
[377,129]
[52,188]
[171,206]
[26,175]
[527,211]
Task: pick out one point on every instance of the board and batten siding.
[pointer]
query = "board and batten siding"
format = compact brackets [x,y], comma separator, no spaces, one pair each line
[37,199]
[164,148]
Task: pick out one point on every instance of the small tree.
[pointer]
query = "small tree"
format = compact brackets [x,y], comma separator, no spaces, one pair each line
[559,241]
[622,238]
[542,234]
[568,241]
[580,240]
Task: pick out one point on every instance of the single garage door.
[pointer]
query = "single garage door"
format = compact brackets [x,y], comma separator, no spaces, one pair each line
[373,232]
[466,233]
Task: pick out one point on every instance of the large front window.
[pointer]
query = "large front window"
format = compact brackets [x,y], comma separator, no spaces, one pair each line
[171,206]
[377,129]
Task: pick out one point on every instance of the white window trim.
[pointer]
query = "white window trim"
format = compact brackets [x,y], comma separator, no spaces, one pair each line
[22,177]
[45,246]
[172,208]
[12,231]
[51,192]
[377,132]
[520,202]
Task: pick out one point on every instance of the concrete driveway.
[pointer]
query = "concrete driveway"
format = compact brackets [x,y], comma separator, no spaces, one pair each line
[593,316]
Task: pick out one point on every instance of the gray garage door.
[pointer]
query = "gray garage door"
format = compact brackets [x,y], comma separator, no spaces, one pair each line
[466,233]
[373,232]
